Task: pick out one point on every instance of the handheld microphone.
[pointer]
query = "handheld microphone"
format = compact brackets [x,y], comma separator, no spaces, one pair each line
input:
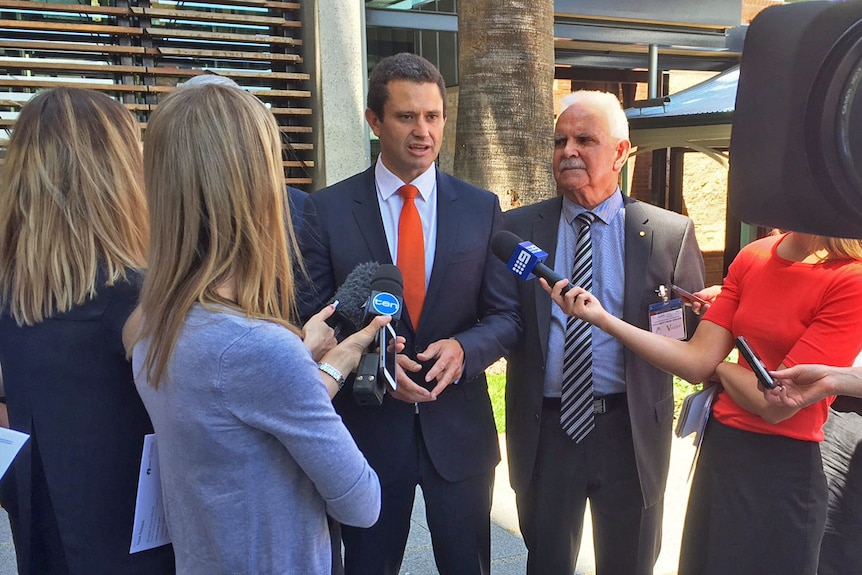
[350,315]
[524,259]
[377,366]
[387,293]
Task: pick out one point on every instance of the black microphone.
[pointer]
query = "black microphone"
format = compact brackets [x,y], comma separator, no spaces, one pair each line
[387,298]
[387,294]
[377,366]
[524,259]
[350,315]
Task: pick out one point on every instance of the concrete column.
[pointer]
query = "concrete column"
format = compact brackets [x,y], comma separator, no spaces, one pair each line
[340,88]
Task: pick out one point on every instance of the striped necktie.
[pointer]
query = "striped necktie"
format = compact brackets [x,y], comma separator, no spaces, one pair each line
[576,403]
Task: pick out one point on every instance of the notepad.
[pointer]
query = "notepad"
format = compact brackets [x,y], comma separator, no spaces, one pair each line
[695,412]
[693,417]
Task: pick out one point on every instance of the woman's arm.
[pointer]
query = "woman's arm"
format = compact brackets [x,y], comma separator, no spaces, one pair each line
[742,386]
[694,360]
[345,356]
[270,383]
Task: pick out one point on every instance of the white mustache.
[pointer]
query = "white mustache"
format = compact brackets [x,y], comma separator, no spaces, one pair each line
[572,164]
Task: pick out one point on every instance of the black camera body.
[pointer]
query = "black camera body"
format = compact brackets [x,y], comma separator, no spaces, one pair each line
[796,145]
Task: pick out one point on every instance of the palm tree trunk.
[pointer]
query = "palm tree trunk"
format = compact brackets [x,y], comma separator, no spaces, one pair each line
[504,132]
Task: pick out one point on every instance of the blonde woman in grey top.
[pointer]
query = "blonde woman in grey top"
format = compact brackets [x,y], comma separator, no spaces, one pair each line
[251,450]
[252,453]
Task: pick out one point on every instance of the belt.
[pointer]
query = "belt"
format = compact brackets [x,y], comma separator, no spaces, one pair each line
[601,405]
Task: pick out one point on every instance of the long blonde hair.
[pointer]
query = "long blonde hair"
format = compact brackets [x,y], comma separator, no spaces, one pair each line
[835,248]
[215,189]
[843,248]
[71,202]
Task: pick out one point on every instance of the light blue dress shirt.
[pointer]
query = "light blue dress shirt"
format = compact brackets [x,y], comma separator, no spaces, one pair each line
[607,237]
[390,209]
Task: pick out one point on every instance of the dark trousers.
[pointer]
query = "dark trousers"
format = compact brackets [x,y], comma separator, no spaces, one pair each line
[757,505]
[841,550]
[600,468]
[458,515]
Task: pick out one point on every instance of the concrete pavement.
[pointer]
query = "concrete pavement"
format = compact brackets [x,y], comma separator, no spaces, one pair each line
[508,554]
[8,565]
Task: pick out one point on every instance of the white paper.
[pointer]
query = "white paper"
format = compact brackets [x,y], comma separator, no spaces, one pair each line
[150,528]
[11,442]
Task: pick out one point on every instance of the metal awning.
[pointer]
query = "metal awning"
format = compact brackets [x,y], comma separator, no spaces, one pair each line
[698,118]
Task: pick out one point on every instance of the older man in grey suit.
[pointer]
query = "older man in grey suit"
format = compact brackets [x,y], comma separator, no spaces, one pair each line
[621,462]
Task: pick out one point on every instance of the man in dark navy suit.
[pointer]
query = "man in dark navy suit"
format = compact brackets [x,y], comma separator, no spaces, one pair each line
[437,430]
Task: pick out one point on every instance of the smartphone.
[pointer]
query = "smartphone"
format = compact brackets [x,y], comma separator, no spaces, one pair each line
[386,339]
[755,362]
[689,296]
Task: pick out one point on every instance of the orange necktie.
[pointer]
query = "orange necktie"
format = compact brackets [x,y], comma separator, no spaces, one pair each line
[411,253]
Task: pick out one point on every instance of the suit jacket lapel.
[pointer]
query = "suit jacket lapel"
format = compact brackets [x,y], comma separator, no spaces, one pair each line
[448,226]
[544,235]
[638,247]
[366,212]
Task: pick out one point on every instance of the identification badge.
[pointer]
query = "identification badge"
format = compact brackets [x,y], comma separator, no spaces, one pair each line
[666,318]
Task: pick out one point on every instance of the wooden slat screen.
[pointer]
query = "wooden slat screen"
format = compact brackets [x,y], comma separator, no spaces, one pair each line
[137,50]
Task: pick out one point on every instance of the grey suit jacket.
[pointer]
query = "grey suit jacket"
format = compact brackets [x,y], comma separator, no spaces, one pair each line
[660,248]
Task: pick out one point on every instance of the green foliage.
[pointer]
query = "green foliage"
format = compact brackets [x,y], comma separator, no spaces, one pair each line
[497,391]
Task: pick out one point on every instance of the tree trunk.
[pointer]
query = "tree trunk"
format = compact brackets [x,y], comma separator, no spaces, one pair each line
[505,122]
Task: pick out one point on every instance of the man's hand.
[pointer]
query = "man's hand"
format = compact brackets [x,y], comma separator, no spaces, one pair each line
[408,390]
[449,365]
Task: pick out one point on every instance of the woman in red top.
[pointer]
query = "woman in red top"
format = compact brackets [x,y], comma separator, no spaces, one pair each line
[795,299]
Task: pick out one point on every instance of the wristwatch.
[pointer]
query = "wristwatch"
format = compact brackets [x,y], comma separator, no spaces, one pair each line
[332,372]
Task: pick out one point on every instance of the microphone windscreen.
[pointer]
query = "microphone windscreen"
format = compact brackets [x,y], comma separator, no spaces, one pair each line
[389,279]
[503,244]
[351,296]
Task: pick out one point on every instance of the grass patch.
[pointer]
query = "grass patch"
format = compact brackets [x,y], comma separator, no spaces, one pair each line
[497,391]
